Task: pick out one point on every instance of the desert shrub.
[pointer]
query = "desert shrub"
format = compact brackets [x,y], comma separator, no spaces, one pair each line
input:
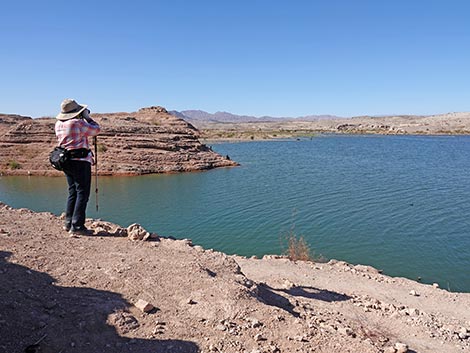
[296,248]
[102,148]
[14,165]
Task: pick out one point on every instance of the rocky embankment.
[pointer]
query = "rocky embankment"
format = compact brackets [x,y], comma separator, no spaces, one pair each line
[147,141]
[128,290]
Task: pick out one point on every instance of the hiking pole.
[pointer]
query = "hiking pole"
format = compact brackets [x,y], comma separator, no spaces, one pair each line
[96,171]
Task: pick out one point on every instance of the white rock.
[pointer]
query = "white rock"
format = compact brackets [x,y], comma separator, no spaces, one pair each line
[414,293]
[435,285]
[136,232]
[288,285]
[345,331]
[390,350]
[401,347]
[144,306]
[221,327]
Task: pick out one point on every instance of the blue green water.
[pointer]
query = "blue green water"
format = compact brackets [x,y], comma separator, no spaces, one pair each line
[398,203]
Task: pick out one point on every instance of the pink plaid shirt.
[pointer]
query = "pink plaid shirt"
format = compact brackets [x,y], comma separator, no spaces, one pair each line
[73,134]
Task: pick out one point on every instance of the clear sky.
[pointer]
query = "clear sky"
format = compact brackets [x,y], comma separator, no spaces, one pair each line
[255,57]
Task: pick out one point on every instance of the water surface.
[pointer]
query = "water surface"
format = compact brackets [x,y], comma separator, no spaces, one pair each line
[398,203]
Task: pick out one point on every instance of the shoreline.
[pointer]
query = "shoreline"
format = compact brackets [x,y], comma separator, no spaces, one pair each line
[321,133]
[270,304]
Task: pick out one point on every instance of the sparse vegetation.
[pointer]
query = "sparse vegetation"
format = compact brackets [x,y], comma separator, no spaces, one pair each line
[102,148]
[14,165]
[297,248]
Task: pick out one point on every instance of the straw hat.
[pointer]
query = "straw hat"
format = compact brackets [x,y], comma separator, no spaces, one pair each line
[69,109]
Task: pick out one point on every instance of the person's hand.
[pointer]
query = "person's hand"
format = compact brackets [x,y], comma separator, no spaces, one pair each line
[86,115]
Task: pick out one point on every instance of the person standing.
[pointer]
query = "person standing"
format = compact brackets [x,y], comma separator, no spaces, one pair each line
[73,127]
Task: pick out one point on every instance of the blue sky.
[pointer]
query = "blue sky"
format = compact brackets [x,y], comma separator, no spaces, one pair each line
[256,57]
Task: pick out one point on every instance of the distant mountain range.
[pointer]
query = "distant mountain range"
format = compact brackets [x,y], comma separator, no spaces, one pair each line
[225,117]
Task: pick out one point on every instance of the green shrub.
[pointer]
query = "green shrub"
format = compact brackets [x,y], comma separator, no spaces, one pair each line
[102,148]
[14,165]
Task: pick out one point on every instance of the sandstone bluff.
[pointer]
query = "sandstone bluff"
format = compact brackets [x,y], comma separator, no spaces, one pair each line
[147,141]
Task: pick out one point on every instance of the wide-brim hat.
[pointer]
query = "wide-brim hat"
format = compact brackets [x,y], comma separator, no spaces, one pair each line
[69,109]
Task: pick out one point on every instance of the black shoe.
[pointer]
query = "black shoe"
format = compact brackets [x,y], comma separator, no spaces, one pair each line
[66,227]
[81,231]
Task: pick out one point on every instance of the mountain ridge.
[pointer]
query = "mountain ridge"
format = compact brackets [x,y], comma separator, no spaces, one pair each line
[223,116]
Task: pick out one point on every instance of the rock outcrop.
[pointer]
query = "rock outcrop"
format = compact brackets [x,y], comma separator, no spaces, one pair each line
[147,141]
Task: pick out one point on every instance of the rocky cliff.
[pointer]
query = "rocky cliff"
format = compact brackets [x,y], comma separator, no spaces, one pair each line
[147,141]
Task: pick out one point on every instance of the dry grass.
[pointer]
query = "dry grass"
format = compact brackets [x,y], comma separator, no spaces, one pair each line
[298,248]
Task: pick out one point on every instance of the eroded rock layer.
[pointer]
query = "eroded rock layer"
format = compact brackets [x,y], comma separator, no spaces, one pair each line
[147,141]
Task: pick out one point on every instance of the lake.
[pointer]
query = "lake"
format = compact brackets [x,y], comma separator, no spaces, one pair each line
[398,203]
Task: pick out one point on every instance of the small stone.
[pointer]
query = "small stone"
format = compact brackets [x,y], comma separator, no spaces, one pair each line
[401,347]
[221,327]
[414,293]
[390,350]
[144,306]
[345,331]
[248,283]
[288,285]
[435,285]
[158,331]
[191,302]
[259,337]
[254,322]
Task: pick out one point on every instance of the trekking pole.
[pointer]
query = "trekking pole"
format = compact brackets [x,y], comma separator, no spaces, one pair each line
[96,171]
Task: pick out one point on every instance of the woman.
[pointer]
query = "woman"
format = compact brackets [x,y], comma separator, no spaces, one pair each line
[73,127]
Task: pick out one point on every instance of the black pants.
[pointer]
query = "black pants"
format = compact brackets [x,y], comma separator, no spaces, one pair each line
[78,175]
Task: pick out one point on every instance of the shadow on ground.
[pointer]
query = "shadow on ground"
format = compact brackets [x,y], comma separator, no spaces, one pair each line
[64,319]
[271,296]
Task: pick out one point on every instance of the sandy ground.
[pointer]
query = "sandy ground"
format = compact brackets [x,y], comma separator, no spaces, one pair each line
[63,294]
